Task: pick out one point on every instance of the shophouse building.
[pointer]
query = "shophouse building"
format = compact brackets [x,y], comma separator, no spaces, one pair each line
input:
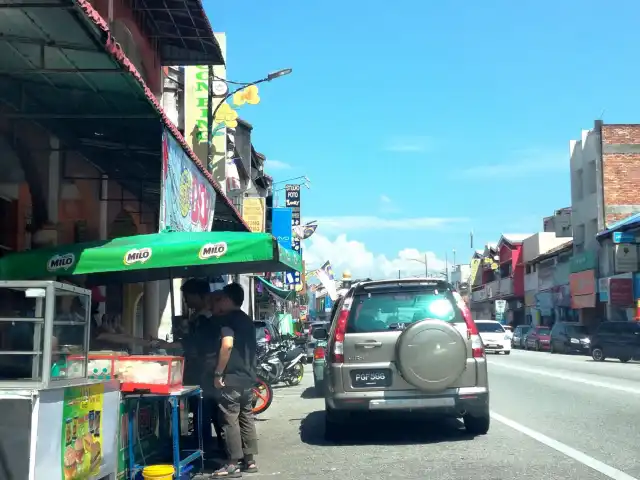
[619,282]
[82,130]
[546,278]
[538,277]
[603,191]
[501,278]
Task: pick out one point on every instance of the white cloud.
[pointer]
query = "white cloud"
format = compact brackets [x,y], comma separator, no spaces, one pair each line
[521,164]
[342,224]
[277,165]
[351,255]
[384,199]
[408,144]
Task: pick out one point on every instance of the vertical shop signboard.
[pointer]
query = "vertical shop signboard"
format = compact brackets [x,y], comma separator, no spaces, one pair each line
[253,212]
[82,432]
[292,201]
[281,226]
[188,199]
[501,307]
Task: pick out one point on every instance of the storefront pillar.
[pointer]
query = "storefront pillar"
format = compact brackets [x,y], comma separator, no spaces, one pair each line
[166,321]
[104,229]
[53,198]
[152,312]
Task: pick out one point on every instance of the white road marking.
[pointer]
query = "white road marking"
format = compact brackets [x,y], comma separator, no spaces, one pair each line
[570,452]
[560,376]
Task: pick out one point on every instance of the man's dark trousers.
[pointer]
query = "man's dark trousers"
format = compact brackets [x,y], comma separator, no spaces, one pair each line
[237,422]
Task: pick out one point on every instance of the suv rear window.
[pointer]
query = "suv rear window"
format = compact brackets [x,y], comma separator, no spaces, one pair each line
[392,310]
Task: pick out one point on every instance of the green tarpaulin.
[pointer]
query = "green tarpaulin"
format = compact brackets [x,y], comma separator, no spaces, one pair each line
[153,257]
[279,292]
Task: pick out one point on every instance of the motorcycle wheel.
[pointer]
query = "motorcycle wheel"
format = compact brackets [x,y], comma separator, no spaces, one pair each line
[262,397]
[296,375]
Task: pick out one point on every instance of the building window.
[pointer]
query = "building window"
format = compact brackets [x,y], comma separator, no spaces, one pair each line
[124,37]
[579,234]
[579,184]
[592,177]
[592,229]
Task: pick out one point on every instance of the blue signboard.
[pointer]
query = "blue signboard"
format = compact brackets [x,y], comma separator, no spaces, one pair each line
[281,226]
[624,237]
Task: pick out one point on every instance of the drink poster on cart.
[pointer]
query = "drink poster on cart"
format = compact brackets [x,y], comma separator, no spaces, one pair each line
[82,432]
[188,199]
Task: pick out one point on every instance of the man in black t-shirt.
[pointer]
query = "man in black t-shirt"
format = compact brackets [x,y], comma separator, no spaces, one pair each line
[233,378]
[198,340]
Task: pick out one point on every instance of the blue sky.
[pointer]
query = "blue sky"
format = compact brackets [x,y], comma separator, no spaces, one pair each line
[437,117]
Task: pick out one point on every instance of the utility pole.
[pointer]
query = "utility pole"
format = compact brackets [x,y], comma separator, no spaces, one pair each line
[426,266]
[446,265]
[454,258]
[398,274]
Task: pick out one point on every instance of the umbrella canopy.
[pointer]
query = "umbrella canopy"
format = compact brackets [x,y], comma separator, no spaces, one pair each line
[157,256]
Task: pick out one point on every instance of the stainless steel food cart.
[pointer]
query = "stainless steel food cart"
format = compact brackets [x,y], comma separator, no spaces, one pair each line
[55,422]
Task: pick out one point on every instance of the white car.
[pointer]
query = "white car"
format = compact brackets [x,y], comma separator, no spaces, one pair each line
[494,336]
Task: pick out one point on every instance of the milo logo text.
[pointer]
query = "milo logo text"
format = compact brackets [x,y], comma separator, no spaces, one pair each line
[213,250]
[61,261]
[137,256]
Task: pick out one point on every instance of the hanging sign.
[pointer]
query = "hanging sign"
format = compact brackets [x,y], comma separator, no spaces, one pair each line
[187,197]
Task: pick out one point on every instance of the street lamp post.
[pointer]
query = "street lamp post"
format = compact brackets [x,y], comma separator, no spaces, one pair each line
[211,112]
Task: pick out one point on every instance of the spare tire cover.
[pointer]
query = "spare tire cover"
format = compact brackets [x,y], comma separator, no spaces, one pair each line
[431,355]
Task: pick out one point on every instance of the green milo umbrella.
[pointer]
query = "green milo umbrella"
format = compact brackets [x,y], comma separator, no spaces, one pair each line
[156,256]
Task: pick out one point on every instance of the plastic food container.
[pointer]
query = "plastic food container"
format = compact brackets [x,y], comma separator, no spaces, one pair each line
[104,365]
[150,373]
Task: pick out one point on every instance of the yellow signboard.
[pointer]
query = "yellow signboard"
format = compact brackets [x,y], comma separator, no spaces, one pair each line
[253,212]
[475,264]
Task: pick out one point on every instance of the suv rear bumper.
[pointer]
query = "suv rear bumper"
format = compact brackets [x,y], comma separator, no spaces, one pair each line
[453,401]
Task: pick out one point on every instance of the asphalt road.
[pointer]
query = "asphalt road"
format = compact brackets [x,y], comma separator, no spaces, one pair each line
[554,417]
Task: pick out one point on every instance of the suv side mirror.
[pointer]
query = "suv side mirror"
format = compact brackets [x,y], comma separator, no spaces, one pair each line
[320,334]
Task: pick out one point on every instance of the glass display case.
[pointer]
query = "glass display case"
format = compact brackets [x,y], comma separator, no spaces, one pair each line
[44,334]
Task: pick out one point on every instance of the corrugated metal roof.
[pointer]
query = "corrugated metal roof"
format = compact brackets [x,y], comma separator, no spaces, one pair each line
[622,225]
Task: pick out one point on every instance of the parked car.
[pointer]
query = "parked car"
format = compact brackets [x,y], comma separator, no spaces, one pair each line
[406,345]
[266,334]
[519,335]
[568,337]
[619,340]
[537,338]
[494,336]
[311,341]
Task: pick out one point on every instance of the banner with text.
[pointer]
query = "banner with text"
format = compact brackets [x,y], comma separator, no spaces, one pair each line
[292,201]
[188,199]
[253,212]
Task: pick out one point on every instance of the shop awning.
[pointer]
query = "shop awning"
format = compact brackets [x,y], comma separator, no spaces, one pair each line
[157,256]
[182,30]
[63,69]
[278,292]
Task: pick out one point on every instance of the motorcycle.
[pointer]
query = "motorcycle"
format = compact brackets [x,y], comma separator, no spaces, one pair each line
[282,363]
[262,396]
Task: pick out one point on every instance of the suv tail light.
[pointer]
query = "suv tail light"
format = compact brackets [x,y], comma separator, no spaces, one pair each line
[337,346]
[477,348]
[318,353]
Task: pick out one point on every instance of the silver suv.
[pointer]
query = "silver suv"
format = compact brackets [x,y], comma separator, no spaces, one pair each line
[405,345]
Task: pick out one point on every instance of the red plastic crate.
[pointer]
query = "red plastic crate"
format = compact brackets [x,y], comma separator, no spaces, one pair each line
[161,385]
